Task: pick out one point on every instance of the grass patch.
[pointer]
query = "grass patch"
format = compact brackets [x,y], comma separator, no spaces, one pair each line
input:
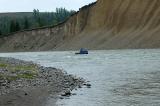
[11,78]
[1,76]
[18,76]
[27,75]
[2,65]
[31,68]
[19,71]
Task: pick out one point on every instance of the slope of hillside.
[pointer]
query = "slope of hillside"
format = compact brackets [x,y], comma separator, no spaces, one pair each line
[106,24]
[120,24]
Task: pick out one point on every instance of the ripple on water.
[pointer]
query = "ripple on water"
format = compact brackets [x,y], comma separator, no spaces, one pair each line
[118,77]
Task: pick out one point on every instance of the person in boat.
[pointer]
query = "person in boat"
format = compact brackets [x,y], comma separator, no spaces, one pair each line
[83,51]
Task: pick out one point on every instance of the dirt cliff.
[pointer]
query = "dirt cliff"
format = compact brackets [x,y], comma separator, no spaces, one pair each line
[106,24]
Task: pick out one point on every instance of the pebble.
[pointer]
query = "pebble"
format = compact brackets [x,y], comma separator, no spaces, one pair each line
[57,78]
[89,85]
[66,93]
[61,97]
[25,94]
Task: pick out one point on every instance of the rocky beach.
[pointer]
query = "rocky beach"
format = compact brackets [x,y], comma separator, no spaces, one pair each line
[28,84]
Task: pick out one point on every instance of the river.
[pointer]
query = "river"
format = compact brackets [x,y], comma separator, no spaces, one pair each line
[118,77]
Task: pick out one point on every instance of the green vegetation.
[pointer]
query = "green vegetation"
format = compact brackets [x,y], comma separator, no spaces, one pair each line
[0,33]
[12,22]
[27,75]
[14,26]
[2,65]
[18,76]
[31,68]
[18,71]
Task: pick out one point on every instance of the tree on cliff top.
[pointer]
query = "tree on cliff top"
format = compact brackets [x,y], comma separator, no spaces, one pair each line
[17,26]
[14,26]
[0,33]
[26,23]
[20,21]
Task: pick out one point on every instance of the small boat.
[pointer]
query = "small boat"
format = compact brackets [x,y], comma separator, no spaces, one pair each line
[82,51]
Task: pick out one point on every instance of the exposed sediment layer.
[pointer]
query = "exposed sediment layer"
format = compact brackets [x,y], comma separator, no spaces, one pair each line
[106,24]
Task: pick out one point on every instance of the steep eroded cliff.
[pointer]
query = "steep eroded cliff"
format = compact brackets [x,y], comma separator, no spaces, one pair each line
[106,24]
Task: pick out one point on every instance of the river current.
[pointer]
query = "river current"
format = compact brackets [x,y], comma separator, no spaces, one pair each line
[118,77]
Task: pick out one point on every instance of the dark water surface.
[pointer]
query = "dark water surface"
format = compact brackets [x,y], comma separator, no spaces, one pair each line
[118,77]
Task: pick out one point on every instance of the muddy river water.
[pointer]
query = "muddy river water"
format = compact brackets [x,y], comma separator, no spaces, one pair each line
[118,77]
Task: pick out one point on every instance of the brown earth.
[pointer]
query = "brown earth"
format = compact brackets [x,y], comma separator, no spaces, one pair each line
[106,24]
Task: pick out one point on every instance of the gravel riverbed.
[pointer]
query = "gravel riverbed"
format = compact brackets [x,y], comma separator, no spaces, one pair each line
[28,84]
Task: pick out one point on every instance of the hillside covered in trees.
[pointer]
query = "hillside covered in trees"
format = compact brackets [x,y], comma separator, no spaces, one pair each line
[12,22]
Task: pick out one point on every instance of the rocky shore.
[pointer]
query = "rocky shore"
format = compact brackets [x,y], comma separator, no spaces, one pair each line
[27,84]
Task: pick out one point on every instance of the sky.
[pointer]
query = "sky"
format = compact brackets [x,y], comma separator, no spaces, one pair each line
[42,5]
